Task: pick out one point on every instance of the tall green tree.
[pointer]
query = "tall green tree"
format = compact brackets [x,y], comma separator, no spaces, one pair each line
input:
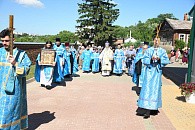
[95,21]
[145,31]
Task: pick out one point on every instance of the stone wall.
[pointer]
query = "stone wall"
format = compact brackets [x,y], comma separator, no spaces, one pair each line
[32,50]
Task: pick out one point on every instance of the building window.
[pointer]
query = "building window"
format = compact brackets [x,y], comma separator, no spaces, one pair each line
[191,18]
[182,37]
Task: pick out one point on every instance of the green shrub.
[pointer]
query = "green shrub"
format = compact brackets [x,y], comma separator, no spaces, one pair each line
[179,44]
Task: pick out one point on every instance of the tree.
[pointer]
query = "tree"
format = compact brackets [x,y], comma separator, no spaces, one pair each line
[95,21]
[162,17]
[120,32]
[146,31]
[67,36]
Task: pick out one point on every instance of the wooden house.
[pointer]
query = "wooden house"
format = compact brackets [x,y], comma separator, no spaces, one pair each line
[172,30]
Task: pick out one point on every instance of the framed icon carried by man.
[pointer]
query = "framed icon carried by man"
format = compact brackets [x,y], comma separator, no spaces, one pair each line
[47,57]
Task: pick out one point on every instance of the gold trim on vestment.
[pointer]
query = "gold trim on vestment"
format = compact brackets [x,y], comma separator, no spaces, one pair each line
[13,123]
[5,64]
[19,70]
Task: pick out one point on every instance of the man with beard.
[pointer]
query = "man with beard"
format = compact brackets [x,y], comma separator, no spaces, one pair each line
[13,71]
[119,59]
[105,57]
[59,67]
[86,57]
[150,96]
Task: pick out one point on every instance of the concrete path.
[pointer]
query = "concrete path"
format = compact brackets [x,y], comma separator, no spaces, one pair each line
[93,102]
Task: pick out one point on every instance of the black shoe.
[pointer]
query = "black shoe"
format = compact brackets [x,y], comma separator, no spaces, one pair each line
[154,112]
[146,116]
[42,85]
[67,76]
[48,87]
[138,114]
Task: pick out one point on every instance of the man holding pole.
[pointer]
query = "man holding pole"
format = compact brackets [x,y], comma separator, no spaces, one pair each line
[13,100]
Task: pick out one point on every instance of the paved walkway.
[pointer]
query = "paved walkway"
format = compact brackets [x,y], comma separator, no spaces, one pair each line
[93,102]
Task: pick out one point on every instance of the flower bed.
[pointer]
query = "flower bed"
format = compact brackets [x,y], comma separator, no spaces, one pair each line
[188,90]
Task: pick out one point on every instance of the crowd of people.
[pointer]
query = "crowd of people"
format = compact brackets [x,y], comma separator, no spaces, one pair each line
[107,60]
[143,64]
[89,58]
[180,55]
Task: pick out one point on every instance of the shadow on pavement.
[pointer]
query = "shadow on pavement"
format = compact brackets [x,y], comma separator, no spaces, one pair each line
[37,119]
[136,89]
[181,98]
[175,74]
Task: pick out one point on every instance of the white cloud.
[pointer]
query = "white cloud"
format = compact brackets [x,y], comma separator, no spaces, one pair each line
[34,3]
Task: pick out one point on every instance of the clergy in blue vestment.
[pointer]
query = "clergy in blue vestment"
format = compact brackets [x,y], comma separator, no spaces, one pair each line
[139,70]
[150,98]
[130,54]
[59,67]
[71,66]
[13,98]
[96,61]
[44,73]
[86,57]
[118,60]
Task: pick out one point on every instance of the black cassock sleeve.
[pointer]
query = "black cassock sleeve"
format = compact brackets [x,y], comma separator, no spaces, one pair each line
[138,67]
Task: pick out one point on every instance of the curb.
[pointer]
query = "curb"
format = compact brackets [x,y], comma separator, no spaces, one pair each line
[175,77]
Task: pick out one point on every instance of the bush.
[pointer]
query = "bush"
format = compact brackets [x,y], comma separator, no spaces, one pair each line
[179,44]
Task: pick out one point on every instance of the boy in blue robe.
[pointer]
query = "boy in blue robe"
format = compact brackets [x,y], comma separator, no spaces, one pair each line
[13,71]
[118,61]
[96,61]
[59,67]
[86,57]
[150,98]
[44,73]
[71,66]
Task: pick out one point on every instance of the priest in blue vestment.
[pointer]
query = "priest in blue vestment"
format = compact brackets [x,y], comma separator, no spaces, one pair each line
[118,60]
[44,73]
[96,60]
[86,57]
[59,67]
[150,98]
[140,68]
[71,66]
[13,98]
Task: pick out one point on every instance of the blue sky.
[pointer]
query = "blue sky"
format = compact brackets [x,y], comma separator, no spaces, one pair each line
[52,16]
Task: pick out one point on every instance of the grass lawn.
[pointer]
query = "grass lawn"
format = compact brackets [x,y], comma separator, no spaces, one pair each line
[31,73]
